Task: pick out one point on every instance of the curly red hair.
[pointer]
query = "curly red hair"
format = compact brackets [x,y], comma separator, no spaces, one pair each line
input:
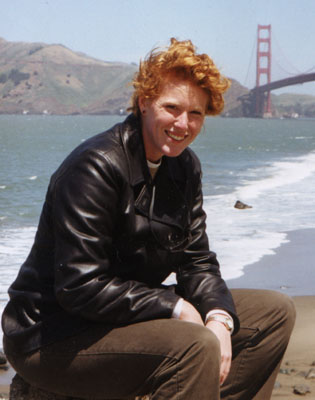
[179,58]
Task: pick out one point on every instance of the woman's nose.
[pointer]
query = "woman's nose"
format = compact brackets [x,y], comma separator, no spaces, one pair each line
[182,121]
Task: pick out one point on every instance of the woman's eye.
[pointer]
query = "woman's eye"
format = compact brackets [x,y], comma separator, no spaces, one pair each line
[196,112]
[171,107]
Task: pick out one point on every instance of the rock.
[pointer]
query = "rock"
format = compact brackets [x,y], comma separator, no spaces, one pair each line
[302,374]
[241,206]
[3,358]
[285,371]
[277,385]
[310,374]
[313,364]
[21,390]
[302,390]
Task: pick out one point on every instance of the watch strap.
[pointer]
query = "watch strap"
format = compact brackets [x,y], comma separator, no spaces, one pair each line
[225,320]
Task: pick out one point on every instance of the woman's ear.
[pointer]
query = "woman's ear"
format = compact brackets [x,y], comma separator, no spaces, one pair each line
[142,102]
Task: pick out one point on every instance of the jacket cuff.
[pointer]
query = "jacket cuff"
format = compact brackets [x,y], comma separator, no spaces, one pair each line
[178,308]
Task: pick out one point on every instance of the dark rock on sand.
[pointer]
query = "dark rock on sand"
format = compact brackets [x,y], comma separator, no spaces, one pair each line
[302,390]
[21,390]
[311,374]
[241,206]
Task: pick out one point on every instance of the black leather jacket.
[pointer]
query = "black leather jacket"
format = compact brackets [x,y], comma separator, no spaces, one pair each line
[107,238]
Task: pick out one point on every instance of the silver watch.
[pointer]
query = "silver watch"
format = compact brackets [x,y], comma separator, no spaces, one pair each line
[226,321]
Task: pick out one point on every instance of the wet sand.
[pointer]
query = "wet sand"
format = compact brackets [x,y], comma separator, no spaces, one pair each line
[300,354]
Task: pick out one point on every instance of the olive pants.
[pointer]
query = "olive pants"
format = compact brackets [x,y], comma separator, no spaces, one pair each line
[167,358]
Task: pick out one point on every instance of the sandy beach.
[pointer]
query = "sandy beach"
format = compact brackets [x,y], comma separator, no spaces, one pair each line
[281,271]
[300,355]
[291,270]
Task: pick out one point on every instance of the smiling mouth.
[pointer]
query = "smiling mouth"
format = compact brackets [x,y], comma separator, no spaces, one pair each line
[177,138]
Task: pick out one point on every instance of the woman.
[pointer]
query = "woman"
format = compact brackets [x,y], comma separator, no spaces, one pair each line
[88,314]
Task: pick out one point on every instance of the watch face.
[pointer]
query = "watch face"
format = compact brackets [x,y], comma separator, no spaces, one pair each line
[229,324]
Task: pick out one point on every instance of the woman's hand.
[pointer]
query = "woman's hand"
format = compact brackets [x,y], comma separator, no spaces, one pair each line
[190,314]
[224,337]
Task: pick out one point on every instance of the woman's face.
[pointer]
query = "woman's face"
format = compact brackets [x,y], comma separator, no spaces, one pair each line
[172,121]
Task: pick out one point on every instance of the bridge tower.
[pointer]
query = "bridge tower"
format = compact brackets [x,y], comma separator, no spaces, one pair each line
[263,69]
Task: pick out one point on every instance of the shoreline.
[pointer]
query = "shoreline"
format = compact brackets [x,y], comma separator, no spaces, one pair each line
[291,269]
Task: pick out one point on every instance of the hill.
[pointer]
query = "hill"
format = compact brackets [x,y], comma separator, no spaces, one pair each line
[39,78]
[233,106]
[299,104]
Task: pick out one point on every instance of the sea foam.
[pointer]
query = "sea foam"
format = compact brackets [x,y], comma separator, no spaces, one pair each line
[281,200]
[15,244]
[280,173]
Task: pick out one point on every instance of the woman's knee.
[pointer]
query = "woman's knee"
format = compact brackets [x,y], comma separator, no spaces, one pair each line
[201,357]
[259,300]
[283,307]
[208,341]
[194,340]
[206,346]
[265,311]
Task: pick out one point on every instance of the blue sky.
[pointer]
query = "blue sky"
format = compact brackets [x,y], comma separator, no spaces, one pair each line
[126,30]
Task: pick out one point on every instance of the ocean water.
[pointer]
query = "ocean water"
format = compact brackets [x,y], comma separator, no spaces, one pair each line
[268,164]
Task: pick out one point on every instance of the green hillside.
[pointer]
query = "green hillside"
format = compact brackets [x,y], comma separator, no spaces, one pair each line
[289,104]
[233,106]
[40,78]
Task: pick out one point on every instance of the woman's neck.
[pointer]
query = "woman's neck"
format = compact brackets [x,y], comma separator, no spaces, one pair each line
[154,166]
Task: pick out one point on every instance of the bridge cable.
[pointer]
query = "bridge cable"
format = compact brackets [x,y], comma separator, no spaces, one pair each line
[299,72]
[250,62]
[309,70]
[285,70]
[286,59]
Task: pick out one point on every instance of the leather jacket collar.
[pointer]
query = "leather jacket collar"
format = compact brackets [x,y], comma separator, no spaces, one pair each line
[134,150]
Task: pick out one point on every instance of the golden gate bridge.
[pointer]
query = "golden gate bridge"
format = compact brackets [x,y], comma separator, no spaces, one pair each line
[257,103]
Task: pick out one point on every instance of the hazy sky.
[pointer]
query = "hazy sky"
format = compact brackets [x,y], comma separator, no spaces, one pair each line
[125,30]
